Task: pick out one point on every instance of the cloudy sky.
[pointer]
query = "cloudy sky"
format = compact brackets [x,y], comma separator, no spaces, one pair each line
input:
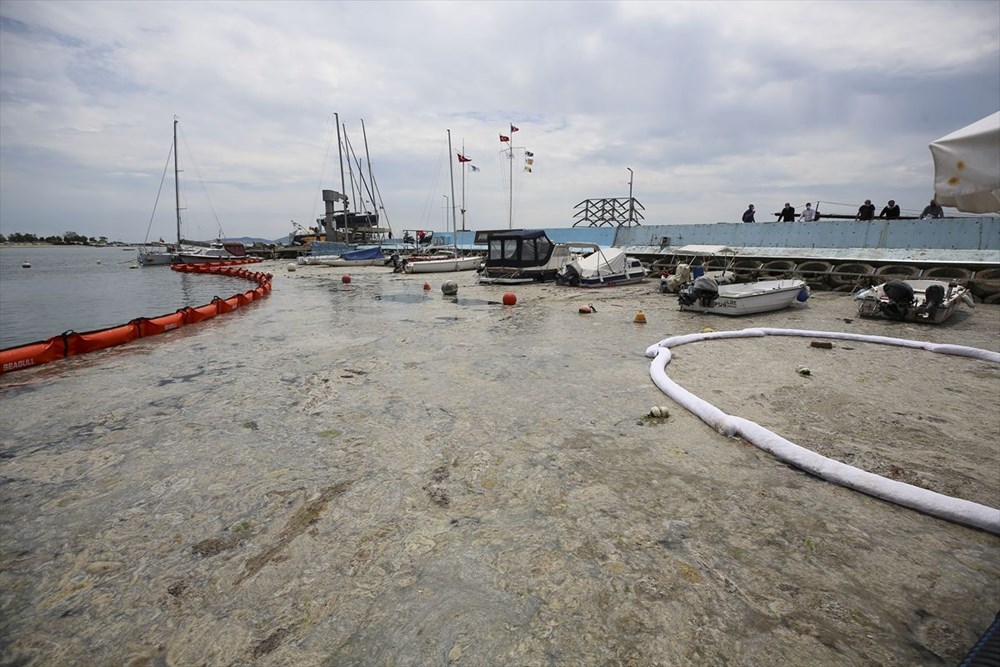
[712,105]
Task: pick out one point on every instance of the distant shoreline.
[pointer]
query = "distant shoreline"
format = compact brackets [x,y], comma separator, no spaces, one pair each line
[63,245]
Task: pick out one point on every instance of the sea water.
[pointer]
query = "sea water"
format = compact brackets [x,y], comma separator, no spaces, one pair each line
[80,288]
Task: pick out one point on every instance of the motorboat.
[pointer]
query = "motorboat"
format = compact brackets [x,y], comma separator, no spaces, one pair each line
[927,301]
[441,264]
[602,268]
[364,257]
[525,256]
[219,251]
[694,261]
[705,295]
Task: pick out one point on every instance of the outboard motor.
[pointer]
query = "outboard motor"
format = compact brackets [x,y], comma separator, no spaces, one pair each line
[397,263]
[703,290]
[900,304]
[933,298]
[568,275]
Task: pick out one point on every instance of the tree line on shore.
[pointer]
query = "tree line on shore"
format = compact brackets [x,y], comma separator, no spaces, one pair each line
[69,238]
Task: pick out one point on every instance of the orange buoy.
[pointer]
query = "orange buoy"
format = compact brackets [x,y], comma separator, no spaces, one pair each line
[427,287]
[640,318]
[346,278]
[509,299]
[587,309]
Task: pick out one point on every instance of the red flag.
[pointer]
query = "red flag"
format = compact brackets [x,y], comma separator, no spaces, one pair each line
[503,138]
[462,158]
[513,129]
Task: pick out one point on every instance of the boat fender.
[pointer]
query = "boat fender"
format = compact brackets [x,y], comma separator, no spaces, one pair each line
[803,294]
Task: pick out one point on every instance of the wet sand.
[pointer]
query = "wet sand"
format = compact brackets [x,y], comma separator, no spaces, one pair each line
[368,474]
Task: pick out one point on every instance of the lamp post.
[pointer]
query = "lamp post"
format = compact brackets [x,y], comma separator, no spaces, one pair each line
[631,204]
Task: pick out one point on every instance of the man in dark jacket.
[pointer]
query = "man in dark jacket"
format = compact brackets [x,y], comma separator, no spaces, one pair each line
[866,211]
[787,214]
[748,215]
[891,211]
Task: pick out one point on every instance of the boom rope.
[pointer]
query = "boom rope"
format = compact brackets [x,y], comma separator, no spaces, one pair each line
[71,343]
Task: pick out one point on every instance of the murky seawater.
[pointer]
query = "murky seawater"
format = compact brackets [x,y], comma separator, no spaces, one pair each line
[372,474]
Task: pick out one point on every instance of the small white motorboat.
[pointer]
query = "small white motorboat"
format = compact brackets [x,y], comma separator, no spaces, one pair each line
[927,301]
[705,295]
[602,268]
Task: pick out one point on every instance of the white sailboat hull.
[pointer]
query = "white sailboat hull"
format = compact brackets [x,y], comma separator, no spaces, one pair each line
[443,265]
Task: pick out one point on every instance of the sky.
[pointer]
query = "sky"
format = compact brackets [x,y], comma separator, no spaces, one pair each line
[699,107]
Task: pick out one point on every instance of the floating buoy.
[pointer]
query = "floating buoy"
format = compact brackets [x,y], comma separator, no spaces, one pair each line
[509,299]
[449,287]
[133,266]
[640,318]
[803,370]
[291,267]
[98,261]
[659,412]
[588,309]
[427,287]
[708,330]
[346,278]
[25,265]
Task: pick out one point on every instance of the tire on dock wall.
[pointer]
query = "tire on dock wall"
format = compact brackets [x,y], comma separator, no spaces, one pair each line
[949,273]
[816,273]
[898,272]
[747,268]
[985,283]
[778,268]
[846,277]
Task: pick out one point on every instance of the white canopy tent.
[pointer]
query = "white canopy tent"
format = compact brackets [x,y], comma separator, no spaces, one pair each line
[967,167]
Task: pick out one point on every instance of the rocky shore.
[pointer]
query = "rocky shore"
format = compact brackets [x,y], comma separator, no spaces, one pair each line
[369,473]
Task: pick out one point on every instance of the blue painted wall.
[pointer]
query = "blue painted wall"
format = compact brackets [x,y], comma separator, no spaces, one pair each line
[979,233]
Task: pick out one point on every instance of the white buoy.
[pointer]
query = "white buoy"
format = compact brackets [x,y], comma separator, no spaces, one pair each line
[291,267]
[449,287]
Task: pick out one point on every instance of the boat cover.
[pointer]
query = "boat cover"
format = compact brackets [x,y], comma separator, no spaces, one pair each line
[364,253]
[967,167]
[600,263]
[519,248]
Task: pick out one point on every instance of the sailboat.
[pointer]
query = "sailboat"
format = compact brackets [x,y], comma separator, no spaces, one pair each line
[163,253]
[446,264]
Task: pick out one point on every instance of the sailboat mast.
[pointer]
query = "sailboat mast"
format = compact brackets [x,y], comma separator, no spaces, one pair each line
[463,187]
[177,186]
[371,177]
[451,171]
[510,183]
[343,185]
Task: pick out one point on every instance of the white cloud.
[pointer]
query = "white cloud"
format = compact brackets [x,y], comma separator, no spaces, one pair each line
[712,104]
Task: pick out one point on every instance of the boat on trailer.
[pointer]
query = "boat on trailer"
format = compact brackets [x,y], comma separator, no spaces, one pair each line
[926,301]
[705,295]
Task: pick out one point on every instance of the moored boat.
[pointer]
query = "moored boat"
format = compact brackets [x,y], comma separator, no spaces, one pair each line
[926,301]
[525,256]
[363,257]
[705,295]
[602,268]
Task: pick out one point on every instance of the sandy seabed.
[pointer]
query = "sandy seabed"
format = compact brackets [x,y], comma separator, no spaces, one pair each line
[372,474]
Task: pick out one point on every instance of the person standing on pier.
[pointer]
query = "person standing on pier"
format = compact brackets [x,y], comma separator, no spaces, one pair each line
[932,210]
[891,211]
[787,214]
[866,211]
[808,213]
[748,215]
